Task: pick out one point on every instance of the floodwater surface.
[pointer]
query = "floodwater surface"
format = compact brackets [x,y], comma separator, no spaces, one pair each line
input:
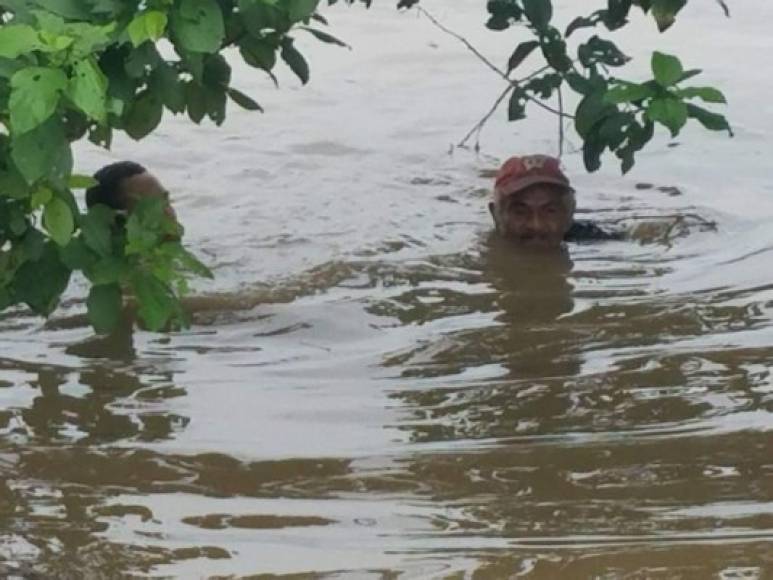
[374,387]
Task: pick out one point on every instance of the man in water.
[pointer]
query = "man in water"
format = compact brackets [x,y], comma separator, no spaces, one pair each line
[122,185]
[534,205]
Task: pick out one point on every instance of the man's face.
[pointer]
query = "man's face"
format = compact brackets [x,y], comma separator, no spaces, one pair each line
[540,215]
[141,186]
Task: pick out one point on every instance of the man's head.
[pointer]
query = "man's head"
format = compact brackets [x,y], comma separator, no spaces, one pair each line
[122,185]
[533,202]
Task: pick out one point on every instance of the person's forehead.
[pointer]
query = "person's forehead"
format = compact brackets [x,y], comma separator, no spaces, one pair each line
[538,195]
[143,184]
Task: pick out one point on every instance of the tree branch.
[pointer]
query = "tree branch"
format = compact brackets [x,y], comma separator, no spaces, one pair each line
[476,130]
[489,64]
[561,123]
[478,127]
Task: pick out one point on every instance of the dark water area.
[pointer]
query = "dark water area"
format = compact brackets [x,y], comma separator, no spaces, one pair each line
[375,387]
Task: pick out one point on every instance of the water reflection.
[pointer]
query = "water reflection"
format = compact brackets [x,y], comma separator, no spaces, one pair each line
[588,430]
[552,425]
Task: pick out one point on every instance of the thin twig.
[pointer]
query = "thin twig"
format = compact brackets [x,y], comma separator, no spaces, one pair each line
[478,127]
[560,123]
[476,130]
[463,40]
[488,63]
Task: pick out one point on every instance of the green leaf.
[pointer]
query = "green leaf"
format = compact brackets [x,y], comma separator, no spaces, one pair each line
[243,100]
[708,94]
[89,38]
[712,121]
[539,12]
[165,82]
[598,50]
[88,89]
[521,52]
[580,22]
[105,304]
[516,109]
[198,25]
[544,86]
[628,92]
[665,11]
[616,15]
[157,303]
[13,220]
[301,10]
[18,39]
[216,100]
[637,137]
[196,101]
[503,13]
[612,130]
[191,263]
[667,69]
[40,283]
[324,36]
[81,182]
[148,225]
[13,184]
[216,72]
[58,221]
[143,116]
[109,270]
[35,93]
[295,60]
[579,83]
[143,58]
[688,74]
[43,152]
[77,256]
[96,228]
[670,112]
[259,16]
[592,149]
[590,111]
[258,53]
[149,25]
[40,197]
[554,50]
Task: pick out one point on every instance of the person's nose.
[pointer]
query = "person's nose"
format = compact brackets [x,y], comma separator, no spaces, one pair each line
[536,223]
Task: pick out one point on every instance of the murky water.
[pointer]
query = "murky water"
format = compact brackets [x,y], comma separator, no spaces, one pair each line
[376,388]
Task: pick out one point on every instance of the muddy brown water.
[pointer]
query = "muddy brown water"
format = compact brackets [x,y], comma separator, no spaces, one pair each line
[375,388]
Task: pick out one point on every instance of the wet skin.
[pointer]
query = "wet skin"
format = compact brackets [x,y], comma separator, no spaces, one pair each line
[539,216]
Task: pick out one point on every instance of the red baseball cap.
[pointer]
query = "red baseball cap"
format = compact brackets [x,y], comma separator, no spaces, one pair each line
[518,173]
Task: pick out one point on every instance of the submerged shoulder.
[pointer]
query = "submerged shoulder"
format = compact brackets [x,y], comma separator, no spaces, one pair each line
[587,231]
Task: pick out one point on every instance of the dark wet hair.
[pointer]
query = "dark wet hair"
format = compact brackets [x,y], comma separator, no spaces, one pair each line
[109,178]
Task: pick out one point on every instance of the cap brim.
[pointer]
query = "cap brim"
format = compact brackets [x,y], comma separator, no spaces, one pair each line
[522,184]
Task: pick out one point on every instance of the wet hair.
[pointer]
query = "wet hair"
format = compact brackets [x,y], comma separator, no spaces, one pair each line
[108,188]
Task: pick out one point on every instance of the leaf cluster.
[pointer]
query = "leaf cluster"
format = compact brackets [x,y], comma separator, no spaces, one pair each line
[613,114]
[72,70]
